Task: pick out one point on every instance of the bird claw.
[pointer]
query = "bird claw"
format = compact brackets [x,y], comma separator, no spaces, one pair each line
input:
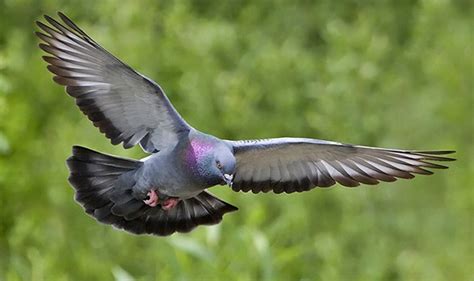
[152,198]
[169,203]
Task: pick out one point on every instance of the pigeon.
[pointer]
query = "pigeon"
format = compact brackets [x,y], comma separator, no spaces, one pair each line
[167,191]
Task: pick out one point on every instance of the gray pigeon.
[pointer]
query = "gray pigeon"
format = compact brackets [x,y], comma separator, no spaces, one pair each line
[166,192]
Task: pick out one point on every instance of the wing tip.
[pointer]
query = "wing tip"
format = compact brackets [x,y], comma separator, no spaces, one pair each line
[435,155]
[38,23]
[436,152]
[42,26]
[47,17]
[40,35]
[45,48]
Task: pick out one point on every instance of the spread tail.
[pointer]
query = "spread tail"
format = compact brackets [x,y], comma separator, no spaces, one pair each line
[104,187]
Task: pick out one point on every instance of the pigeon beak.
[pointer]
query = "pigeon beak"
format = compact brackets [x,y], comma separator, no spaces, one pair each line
[228,179]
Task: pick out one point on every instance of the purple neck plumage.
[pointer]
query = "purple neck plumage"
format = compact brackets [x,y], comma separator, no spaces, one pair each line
[198,155]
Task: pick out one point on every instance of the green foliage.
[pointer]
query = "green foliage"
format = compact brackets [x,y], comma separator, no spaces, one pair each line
[385,73]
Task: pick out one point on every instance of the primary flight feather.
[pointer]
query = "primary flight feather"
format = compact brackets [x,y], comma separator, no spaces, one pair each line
[166,192]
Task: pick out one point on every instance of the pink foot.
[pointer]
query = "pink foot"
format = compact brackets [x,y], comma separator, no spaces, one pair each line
[153,199]
[169,203]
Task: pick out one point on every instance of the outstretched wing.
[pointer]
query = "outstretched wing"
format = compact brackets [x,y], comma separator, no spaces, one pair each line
[126,106]
[298,164]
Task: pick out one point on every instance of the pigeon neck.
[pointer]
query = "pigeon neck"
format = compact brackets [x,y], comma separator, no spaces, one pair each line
[198,157]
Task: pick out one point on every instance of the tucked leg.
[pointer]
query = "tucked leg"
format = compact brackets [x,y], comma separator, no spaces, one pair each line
[169,203]
[153,199]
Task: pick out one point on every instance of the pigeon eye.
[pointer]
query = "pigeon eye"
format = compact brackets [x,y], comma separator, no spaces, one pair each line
[219,165]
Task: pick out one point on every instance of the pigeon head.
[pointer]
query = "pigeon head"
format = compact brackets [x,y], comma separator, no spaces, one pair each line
[210,160]
[225,163]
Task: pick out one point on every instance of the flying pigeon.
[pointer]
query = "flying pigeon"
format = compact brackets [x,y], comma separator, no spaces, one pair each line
[166,192]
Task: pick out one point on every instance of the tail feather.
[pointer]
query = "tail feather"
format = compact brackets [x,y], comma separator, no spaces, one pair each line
[96,176]
[106,193]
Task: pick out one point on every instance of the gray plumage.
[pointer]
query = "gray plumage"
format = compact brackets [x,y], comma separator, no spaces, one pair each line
[132,109]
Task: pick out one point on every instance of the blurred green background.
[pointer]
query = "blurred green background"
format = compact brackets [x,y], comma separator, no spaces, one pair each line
[382,73]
